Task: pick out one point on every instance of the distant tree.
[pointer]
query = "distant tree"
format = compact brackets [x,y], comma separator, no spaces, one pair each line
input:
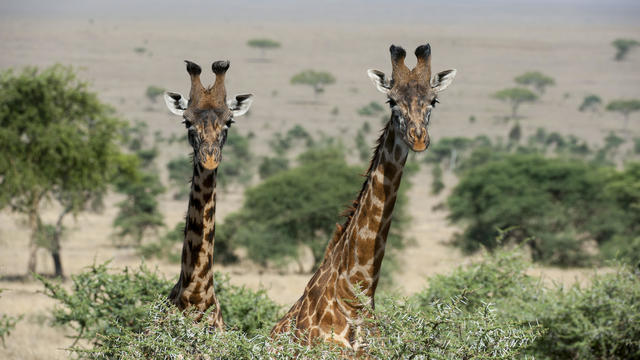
[590,102]
[538,80]
[623,46]
[437,185]
[153,92]
[263,44]
[553,204]
[59,143]
[624,107]
[371,109]
[515,133]
[515,97]
[448,148]
[272,165]
[316,79]
[180,170]
[300,206]
[139,212]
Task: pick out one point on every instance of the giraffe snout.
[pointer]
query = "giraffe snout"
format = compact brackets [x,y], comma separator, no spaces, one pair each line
[418,138]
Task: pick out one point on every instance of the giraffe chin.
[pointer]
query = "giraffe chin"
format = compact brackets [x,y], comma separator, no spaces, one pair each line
[419,146]
[209,163]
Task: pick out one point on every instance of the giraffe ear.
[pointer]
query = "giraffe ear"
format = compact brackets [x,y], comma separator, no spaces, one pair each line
[380,80]
[240,104]
[176,103]
[442,80]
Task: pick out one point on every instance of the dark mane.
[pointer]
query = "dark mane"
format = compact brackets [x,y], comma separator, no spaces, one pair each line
[351,210]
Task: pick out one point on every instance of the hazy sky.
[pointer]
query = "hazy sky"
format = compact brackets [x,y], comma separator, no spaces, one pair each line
[362,11]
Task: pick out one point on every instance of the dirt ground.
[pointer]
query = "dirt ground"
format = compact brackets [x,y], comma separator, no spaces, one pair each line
[487,56]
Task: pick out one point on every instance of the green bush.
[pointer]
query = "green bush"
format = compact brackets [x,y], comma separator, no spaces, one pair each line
[557,203]
[599,321]
[500,279]
[272,165]
[7,324]
[397,329]
[101,303]
[371,109]
[153,92]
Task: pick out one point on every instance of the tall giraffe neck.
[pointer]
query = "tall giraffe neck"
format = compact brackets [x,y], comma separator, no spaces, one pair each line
[360,250]
[195,286]
[329,307]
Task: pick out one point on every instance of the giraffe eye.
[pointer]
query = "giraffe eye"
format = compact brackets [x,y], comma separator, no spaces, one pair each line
[186,123]
[434,102]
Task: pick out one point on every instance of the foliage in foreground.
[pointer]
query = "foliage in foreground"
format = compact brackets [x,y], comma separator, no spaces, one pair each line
[599,321]
[7,324]
[103,304]
[121,317]
[488,310]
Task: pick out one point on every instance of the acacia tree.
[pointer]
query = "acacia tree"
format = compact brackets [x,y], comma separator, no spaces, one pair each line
[538,80]
[590,102]
[316,79]
[624,107]
[59,143]
[263,44]
[515,97]
[623,46]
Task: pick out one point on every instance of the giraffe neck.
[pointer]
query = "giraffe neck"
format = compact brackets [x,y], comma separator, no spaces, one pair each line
[361,249]
[195,286]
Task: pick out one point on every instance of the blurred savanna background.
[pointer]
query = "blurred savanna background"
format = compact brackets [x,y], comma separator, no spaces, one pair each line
[527,201]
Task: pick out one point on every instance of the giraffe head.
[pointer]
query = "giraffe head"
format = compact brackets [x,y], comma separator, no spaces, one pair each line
[207,114]
[412,94]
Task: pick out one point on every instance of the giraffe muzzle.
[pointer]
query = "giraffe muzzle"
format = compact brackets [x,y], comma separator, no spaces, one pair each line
[418,139]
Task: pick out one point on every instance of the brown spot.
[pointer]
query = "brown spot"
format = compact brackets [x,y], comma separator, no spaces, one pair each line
[209,236]
[206,268]
[207,195]
[303,323]
[326,323]
[397,153]
[195,203]
[207,182]
[208,215]
[363,220]
[314,291]
[194,226]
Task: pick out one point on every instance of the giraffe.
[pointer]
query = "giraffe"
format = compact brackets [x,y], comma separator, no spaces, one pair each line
[207,115]
[329,308]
